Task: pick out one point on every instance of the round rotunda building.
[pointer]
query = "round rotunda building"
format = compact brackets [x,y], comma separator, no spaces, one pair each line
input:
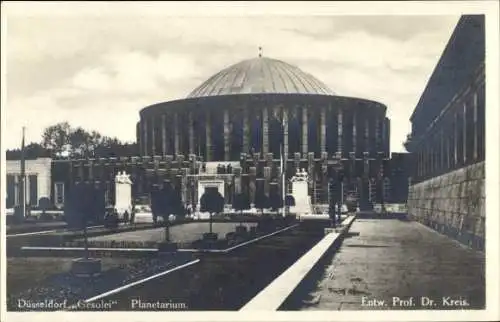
[258,105]
[255,112]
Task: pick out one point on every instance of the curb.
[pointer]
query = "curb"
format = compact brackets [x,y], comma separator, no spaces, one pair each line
[276,293]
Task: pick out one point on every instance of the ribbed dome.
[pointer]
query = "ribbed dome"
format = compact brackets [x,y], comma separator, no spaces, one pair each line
[261,75]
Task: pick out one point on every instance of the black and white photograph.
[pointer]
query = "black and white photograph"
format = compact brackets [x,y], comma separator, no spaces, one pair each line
[315,160]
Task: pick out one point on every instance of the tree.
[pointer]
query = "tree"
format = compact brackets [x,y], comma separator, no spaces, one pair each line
[84,203]
[31,151]
[241,202]
[55,138]
[177,205]
[80,142]
[63,140]
[275,201]
[212,202]
[261,201]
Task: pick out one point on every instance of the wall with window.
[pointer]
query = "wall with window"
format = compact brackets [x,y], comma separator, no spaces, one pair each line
[38,181]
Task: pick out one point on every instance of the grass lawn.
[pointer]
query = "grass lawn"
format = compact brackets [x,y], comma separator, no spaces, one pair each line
[26,272]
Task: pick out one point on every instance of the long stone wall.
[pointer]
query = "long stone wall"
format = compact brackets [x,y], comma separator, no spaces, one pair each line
[452,204]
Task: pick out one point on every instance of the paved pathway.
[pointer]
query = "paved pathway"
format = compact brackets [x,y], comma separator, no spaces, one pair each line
[394,264]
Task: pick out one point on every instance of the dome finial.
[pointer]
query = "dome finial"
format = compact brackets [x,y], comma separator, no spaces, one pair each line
[260,52]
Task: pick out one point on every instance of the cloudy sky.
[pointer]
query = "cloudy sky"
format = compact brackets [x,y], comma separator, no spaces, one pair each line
[99,71]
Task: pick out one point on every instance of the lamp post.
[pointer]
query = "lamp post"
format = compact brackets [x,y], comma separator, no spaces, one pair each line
[22,185]
[283,160]
[337,166]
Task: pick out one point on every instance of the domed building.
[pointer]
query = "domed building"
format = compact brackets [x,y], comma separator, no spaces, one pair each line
[254,113]
[258,105]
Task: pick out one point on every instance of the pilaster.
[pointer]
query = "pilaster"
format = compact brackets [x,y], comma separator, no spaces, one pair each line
[163,135]
[323,130]
[304,130]
[153,136]
[339,129]
[208,137]
[285,134]
[227,155]
[265,131]
[246,131]
[354,140]
[191,133]
[176,135]
[145,135]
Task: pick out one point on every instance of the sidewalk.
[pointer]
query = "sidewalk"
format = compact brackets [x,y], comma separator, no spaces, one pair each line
[395,264]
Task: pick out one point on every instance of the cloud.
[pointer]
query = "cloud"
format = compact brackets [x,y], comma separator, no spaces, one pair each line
[94,71]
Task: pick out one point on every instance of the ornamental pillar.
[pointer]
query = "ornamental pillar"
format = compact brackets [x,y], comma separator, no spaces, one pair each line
[246,131]
[354,132]
[176,135]
[339,133]
[367,135]
[191,133]
[163,135]
[153,136]
[377,134]
[227,155]
[208,137]
[16,190]
[285,134]
[145,135]
[265,131]
[323,130]
[267,179]
[304,130]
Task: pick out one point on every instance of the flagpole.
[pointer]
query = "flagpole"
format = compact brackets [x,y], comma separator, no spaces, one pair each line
[283,165]
[283,194]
